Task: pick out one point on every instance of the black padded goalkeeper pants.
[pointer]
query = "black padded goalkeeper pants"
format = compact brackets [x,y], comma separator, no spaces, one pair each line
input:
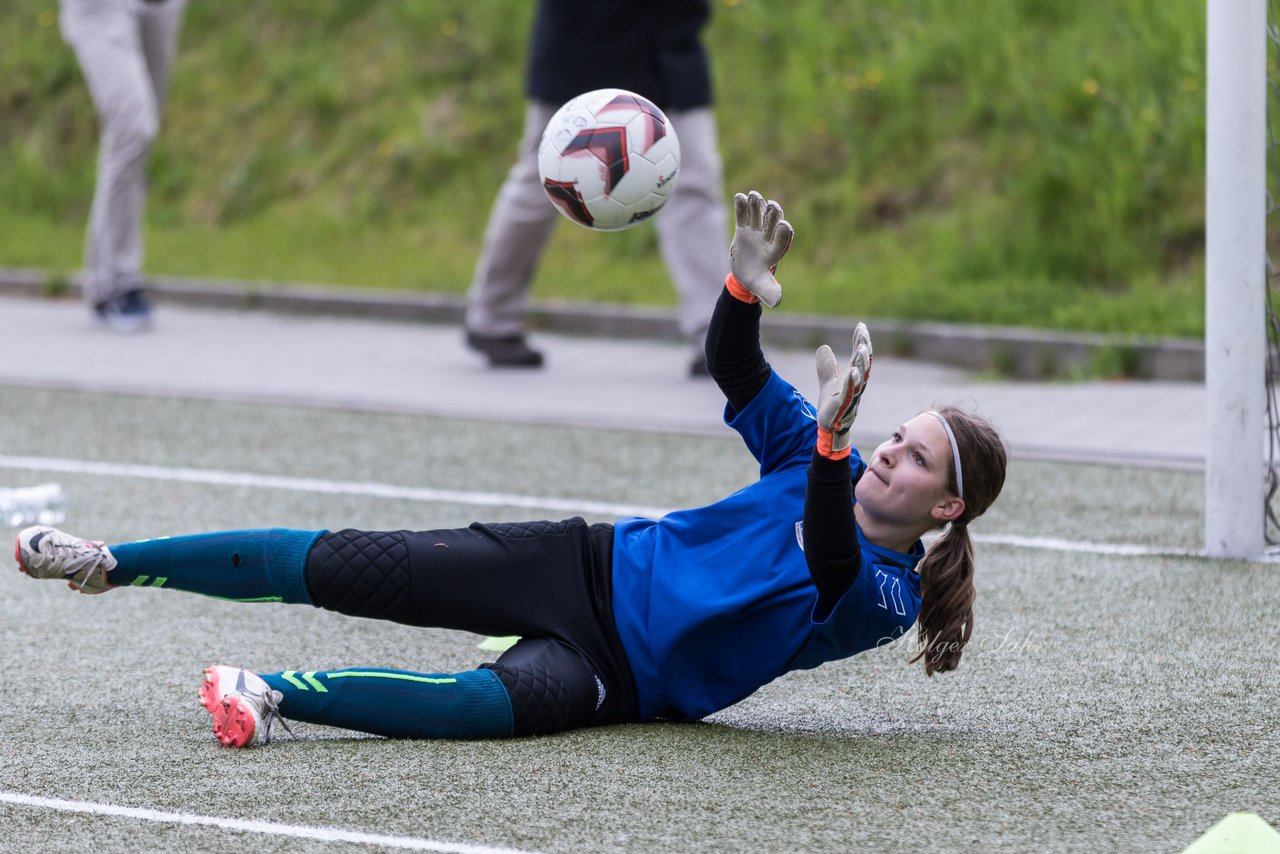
[548,582]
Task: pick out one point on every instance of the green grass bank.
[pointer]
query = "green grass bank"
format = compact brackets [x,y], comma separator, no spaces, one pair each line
[1012,162]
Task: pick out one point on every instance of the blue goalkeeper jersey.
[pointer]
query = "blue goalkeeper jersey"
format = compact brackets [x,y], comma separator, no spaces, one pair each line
[714,602]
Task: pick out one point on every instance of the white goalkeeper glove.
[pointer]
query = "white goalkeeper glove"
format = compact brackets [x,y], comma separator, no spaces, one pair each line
[760,238]
[839,393]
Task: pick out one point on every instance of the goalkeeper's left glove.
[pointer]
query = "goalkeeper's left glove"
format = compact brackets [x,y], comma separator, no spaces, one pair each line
[840,392]
[760,238]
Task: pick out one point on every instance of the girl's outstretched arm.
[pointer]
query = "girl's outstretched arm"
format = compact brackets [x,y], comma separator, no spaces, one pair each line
[830,536]
[760,238]
[734,358]
[831,547]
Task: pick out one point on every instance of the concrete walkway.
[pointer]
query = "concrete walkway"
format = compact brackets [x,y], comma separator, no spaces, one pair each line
[267,356]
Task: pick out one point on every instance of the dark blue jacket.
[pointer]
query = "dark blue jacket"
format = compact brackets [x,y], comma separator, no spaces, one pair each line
[651,47]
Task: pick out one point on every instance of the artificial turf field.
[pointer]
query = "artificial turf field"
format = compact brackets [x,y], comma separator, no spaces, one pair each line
[1111,700]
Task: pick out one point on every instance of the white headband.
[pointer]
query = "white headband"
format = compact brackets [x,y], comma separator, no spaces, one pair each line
[955,449]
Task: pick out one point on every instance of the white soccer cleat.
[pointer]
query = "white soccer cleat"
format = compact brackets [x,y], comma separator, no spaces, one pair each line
[243,706]
[44,552]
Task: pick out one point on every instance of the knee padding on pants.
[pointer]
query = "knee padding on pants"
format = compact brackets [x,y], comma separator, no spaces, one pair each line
[361,573]
[552,687]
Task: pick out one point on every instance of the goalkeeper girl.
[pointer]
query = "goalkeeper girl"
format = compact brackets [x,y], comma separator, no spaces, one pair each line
[675,618]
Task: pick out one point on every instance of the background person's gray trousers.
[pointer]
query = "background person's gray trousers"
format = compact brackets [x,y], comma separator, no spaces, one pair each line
[691,227]
[125,49]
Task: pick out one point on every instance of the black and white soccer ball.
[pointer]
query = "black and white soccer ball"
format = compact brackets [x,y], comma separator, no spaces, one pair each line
[609,159]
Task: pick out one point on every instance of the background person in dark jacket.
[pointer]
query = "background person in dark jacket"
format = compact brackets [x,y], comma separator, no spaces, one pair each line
[650,48]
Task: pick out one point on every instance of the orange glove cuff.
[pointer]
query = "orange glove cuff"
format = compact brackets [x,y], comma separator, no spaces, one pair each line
[737,291]
[824,446]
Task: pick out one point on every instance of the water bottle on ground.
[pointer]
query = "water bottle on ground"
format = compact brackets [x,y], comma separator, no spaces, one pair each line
[32,505]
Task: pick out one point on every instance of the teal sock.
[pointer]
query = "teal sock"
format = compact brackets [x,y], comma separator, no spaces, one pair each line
[398,703]
[243,566]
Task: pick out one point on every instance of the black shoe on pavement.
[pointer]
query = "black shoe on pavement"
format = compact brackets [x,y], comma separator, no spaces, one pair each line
[128,312]
[505,351]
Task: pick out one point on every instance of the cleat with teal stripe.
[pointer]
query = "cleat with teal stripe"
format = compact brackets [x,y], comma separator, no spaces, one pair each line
[44,552]
[243,706]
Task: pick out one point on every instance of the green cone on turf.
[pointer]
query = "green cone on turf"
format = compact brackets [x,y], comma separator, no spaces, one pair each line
[1238,833]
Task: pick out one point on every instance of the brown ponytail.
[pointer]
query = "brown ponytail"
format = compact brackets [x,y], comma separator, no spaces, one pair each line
[947,593]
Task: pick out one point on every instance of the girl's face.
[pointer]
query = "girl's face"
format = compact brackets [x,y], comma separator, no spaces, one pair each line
[906,478]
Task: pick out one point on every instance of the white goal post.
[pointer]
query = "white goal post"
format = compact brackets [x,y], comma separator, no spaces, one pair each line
[1235,276]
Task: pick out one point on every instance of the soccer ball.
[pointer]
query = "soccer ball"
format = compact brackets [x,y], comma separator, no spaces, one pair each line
[609,159]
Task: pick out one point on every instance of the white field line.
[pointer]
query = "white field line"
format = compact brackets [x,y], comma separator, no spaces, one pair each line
[1059,545]
[297,831]
[499,499]
[330,487]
